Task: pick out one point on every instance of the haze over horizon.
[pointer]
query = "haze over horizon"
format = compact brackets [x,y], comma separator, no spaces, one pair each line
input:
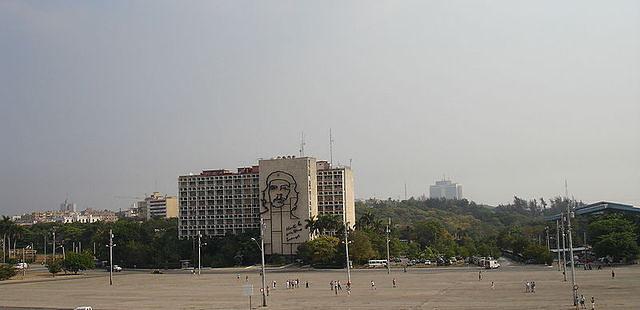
[119,98]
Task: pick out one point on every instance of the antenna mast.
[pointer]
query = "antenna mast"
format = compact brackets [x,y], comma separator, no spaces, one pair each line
[566,189]
[330,148]
[302,143]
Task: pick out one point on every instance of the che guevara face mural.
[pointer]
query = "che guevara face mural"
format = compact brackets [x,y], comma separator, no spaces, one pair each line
[280,193]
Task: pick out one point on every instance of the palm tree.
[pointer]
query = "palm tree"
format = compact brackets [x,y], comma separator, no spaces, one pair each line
[5,224]
[312,225]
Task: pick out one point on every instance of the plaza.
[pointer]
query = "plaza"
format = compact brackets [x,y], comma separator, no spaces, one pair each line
[418,288]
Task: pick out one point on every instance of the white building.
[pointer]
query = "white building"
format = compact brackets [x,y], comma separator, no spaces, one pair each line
[445,189]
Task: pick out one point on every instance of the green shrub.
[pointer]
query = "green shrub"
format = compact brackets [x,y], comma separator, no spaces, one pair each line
[54,267]
[7,271]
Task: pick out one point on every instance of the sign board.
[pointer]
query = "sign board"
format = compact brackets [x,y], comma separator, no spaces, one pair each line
[247,290]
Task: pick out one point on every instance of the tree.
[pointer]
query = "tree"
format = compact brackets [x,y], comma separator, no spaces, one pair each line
[619,245]
[54,267]
[360,248]
[321,251]
[77,261]
[7,272]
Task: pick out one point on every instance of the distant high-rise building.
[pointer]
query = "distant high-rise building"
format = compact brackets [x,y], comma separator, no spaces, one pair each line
[67,207]
[445,189]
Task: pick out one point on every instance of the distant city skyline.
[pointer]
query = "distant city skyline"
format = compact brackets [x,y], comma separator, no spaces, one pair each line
[119,98]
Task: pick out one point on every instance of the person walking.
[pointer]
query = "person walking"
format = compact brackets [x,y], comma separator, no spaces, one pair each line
[373,285]
[493,286]
[394,282]
[479,275]
[582,302]
[533,287]
[331,285]
[613,273]
[593,303]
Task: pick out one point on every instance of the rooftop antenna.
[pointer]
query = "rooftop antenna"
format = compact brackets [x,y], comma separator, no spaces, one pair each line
[566,189]
[330,148]
[302,143]
[405,190]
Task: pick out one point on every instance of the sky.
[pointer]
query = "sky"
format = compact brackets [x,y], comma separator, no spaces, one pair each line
[101,100]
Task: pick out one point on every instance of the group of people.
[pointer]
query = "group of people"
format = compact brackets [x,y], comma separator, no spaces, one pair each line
[291,284]
[581,301]
[530,287]
[337,286]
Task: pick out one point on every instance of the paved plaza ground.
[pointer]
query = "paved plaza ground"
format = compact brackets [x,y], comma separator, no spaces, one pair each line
[446,288]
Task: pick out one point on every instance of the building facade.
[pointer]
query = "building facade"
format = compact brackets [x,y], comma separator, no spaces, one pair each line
[284,192]
[157,205]
[445,189]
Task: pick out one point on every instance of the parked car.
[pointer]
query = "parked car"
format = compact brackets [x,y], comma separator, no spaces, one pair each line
[116,268]
[427,262]
[22,266]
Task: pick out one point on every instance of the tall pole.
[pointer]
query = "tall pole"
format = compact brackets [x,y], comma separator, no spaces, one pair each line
[546,232]
[346,250]
[388,261]
[558,241]
[264,275]
[53,247]
[110,257]
[45,248]
[564,250]
[199,247]
[573,272]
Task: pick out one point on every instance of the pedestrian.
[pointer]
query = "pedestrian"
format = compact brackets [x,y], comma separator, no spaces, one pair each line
[349,288]
[493,286]
[246,279]
[373,285]
[306,284]
[274,284]
[582,302]
[533,287]
[339,285]
[613,274]
[394,282]
[593,303]
[331,285]
[527,287]
[404,268]
[479,275]
[238,276]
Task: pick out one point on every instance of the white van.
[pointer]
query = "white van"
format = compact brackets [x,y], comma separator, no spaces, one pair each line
[373,263]
[492,264]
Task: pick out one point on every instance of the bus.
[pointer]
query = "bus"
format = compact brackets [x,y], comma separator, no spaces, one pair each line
[373,263]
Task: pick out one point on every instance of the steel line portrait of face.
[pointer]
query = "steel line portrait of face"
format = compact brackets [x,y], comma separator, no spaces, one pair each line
[281,193]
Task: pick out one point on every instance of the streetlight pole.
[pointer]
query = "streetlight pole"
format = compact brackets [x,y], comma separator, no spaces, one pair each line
[564,250]
[264,276]
[388,261]
[53,247]
[199,257]
[111,245]
[346,250]
[573,272]
[558,241]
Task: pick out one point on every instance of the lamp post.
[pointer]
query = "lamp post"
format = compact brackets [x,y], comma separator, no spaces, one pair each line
[346,250]
[388,260]
[558,241]
[110,246]
[264,276]
[564,250]
[574,287]
[200,244]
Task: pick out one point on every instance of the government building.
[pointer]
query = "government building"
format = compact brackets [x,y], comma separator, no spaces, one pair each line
[283,191]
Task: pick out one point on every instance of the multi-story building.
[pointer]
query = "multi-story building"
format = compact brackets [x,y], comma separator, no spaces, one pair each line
[335,192]
[445,189]
[67,206]
[283,191]
[218,202]
[157,205]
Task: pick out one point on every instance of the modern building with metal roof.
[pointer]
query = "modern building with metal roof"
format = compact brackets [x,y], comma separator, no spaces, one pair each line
[599,208]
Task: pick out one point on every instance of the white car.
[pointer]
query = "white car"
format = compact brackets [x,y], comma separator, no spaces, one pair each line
[427,262]
[22,266]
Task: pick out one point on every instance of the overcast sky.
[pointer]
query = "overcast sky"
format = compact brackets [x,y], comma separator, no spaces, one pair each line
[117,98]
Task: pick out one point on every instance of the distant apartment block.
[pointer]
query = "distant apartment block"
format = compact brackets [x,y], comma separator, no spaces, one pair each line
[67,206]
[157,205]
[284,191]
[445,189]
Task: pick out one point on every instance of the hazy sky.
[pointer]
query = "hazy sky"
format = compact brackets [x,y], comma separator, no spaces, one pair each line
[117,98]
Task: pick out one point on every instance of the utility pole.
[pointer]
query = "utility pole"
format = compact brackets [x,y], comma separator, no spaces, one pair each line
[564,250]
[53,247]
[558,241]
[330,148]
[388,261]
[546,232]
[111,245]
[574,287]
[346,250]
[45,248]
[199,247]
[264,276]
